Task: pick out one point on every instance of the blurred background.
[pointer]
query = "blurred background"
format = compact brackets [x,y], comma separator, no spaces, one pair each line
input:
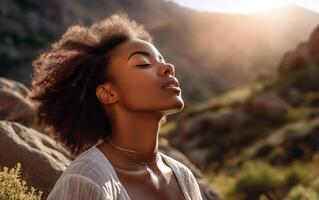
[249,74]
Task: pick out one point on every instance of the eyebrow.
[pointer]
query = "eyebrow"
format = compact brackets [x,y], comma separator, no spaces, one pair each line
[139,52]
[143,53]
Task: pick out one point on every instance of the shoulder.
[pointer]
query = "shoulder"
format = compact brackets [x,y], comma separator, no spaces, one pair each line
[90,168]
[88,164]
[189,180]
[178,165]
[73,186]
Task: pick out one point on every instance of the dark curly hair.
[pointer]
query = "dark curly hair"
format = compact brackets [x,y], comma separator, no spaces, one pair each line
[65,78]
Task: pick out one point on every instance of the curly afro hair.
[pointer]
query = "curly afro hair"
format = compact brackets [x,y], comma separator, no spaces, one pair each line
[65,78]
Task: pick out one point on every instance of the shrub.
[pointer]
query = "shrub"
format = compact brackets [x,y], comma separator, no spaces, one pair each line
[13,188]
[300,192]
[257,178]
[260,180]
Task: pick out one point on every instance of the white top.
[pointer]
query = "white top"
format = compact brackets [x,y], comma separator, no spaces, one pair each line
[91,176]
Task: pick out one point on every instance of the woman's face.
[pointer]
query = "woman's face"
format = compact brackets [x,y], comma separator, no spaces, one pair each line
[139,71]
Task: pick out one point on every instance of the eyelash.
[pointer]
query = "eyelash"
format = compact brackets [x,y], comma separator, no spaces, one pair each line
[143,65]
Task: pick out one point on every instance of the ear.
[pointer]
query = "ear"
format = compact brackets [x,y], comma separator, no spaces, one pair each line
[106,94]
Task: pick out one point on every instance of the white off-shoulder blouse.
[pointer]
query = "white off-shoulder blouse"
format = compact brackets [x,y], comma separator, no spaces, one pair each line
[91,176]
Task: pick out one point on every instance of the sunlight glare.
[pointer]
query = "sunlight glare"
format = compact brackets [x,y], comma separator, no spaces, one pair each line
[253,6]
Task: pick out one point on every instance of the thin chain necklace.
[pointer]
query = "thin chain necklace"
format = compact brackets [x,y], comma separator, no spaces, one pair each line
[127,150]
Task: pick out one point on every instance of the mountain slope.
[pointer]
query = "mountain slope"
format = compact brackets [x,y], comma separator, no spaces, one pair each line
[212,52]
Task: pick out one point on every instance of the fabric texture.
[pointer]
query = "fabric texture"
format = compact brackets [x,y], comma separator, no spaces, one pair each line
[91,176]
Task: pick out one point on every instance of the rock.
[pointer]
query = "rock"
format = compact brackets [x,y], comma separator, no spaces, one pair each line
[314,45]
[269,105]
[306,53]
[42,159]
[293,96]
[15,87]
[13,105]
[291,61]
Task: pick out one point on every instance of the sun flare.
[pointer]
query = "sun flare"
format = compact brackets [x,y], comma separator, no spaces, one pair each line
[253,6]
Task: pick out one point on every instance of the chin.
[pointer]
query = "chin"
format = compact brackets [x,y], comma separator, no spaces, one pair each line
[175,109]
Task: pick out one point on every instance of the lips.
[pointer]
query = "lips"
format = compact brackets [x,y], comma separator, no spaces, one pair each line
[171,82]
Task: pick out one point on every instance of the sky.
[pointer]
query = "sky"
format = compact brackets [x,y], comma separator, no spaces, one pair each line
[245,6]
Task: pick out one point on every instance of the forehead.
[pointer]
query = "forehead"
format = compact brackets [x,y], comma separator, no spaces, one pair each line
[130,46]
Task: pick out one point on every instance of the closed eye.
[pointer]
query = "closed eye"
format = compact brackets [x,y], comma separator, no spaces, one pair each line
[142,65]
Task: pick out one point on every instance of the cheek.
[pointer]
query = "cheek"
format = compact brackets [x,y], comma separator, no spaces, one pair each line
[141,88]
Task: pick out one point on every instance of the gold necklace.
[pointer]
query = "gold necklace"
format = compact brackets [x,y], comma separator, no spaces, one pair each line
[127,150]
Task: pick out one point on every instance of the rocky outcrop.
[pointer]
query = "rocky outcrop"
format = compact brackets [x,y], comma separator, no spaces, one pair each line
[42,159]
[208,136]
[13,106]
[299,71]
[306,53]
[217,133]
[269,105]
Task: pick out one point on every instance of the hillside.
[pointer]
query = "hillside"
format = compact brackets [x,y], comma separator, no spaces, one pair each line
[209,50]
[263,138]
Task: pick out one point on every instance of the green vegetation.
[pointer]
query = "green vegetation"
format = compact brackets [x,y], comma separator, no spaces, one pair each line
[260,180]
[300,192]
[262,140]
[13,188]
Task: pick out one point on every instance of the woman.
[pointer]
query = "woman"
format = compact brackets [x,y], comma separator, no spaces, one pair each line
[104,91]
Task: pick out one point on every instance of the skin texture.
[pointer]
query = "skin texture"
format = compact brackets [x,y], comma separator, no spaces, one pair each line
[135,103]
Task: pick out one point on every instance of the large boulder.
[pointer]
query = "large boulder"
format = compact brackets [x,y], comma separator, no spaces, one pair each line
[13,104]
[42,159]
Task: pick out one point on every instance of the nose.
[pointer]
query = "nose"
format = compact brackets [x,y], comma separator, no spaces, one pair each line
[168,69]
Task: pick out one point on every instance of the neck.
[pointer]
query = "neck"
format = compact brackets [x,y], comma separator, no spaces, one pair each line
[137,132]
